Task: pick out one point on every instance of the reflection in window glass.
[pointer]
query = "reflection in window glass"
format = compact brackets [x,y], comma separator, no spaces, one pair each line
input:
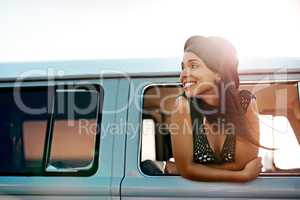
[74,130]
[34,135]
[23,121]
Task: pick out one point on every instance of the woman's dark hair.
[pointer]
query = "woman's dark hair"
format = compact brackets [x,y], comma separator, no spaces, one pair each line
[221,57]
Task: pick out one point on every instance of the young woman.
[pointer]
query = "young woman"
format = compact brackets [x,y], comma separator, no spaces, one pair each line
[218,126]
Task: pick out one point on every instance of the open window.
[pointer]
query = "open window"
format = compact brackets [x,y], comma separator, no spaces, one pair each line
[50,130]
[282,137]
[279,114]
[157,106]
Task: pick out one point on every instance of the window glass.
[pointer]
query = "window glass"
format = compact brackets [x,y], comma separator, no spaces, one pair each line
[23,122]
[46,129]
[74,130]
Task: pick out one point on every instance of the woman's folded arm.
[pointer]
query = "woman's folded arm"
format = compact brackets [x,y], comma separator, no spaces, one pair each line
[182,143]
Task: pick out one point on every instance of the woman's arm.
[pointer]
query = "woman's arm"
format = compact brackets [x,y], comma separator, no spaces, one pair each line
[182,143]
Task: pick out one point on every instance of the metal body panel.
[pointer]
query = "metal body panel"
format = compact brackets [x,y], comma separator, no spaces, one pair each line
[137,185]
[129,68]
[105,183]
[114,161]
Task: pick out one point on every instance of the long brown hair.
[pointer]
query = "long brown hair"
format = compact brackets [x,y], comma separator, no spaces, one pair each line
[221,57]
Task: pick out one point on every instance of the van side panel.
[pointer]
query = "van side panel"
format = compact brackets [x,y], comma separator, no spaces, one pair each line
[97,186]
[137,185]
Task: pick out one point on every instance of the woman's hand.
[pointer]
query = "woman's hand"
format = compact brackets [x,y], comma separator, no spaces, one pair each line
[252,169]
[171,168]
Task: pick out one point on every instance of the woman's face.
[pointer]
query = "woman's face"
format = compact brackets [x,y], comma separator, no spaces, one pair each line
[196,78]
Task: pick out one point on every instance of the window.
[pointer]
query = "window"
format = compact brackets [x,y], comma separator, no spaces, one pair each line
[276,132]
[52,130]
[156,140]
[279,127]
[22,135]
[148,139]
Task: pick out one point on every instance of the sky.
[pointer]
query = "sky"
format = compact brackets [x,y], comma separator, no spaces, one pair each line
[39,30]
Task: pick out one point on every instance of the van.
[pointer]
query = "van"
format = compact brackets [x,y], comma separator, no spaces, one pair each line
[98,129]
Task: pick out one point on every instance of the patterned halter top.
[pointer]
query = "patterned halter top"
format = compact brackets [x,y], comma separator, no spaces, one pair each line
[203,153]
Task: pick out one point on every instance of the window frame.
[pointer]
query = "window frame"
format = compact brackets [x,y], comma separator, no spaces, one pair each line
[49,129]
[144,90]
[177,84]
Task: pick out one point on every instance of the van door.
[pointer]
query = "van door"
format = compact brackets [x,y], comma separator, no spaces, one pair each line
[137,184]
[69,151]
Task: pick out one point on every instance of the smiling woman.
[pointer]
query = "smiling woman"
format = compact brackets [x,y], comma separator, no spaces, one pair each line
[211,96]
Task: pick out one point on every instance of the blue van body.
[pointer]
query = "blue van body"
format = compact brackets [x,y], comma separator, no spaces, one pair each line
[119,174]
